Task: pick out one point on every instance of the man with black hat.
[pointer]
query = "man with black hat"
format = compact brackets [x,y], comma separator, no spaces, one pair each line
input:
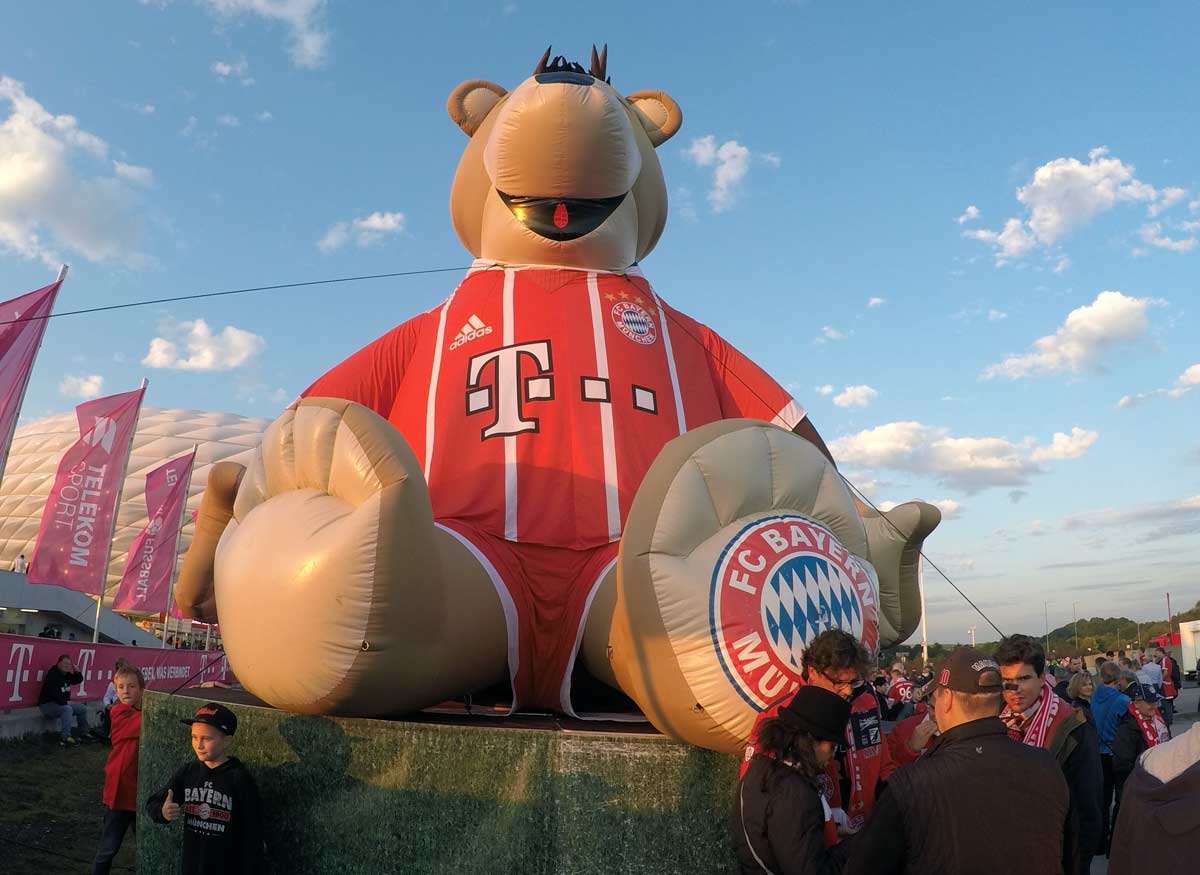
[781,822]
[218,799]
[977,801]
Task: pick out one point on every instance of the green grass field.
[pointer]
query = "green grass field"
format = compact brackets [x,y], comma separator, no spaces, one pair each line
[50,819]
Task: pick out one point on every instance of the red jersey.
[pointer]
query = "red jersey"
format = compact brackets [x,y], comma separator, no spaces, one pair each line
[120,772]
[901,691]
[535,400]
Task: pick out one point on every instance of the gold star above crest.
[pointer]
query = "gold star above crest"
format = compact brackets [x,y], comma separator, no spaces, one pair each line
[624,295]
[610,296]
[638,301]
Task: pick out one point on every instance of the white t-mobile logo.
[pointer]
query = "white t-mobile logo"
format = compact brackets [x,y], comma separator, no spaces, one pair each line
[505,395]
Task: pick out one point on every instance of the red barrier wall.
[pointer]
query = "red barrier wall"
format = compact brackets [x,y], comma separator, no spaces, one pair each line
[24,661]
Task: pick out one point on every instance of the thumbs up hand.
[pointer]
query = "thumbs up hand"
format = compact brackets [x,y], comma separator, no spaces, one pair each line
[170,809]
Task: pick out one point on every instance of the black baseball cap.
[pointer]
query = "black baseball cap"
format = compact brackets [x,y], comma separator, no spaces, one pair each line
[966,670]
[216,715]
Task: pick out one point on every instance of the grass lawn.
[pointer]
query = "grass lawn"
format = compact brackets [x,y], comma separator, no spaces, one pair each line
[50,821]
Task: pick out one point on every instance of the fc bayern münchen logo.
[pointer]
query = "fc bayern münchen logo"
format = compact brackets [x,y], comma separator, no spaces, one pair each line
[635,322]
[779,583]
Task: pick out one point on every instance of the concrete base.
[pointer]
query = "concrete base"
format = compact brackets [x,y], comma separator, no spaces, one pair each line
[466,794]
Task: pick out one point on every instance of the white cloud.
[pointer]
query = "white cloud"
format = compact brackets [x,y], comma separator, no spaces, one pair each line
[996,315]
[365,231]
[1012,242]
[1065,194]
[970,214]
[730,162]
[855,396]
[876,302]
[948,506]
[228,120]
[81,385]
[1065,446]
[264,116]
[205,351]
[828,333]
[57,189]
[1087,334]
[1168,519]
[238,69]
[825,390]
[141,108]
[302,18]
[1152,234]
[1168,197]
[134,173]
[1064,262]
[1184,384]
[966,463]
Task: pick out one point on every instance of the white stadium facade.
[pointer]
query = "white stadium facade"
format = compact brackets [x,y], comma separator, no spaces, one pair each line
[38,447]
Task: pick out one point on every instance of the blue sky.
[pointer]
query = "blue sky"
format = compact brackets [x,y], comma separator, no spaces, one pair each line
[830,156]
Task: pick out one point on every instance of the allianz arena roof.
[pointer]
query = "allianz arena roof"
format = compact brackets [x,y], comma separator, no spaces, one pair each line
[38,446]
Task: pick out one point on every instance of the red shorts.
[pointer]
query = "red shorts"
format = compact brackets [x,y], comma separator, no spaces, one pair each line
[546,593]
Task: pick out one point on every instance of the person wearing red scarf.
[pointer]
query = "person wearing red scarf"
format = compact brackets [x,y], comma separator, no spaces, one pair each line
[1035,715]
[1140,728]
[836,661]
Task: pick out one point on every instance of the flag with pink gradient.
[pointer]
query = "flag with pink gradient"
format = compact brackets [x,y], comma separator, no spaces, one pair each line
[73,542]
[22,324]
[147,579]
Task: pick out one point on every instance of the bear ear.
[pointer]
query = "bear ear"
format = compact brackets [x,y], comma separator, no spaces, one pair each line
[470,103]
[659,113]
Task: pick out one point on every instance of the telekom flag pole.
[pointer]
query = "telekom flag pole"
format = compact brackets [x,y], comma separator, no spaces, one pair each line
[22,326]
[75,538]
[149,571]
[921,586]
[175,552]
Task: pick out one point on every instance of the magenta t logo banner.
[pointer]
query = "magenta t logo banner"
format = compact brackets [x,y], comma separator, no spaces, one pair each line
[73,541]
[147,577]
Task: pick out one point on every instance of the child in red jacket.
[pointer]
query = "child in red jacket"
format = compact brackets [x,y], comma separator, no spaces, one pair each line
[120,772]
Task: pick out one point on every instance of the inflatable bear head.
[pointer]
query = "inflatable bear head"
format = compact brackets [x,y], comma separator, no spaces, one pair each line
[561,170]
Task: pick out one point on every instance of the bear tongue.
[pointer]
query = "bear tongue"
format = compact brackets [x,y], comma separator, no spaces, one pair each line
[560,216]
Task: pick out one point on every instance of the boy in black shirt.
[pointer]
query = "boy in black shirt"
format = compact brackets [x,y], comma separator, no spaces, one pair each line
[218,800]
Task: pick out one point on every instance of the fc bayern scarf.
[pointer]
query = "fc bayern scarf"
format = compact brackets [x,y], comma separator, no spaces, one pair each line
[1153,730]
[1034,729]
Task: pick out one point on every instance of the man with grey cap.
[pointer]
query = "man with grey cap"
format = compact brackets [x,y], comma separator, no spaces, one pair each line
[977,801]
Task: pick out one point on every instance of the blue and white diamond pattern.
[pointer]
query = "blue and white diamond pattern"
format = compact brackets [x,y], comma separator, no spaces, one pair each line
[805,596]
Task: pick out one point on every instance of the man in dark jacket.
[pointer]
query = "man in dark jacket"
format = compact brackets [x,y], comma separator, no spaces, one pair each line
[1035,715]
[977,801]
[55,699]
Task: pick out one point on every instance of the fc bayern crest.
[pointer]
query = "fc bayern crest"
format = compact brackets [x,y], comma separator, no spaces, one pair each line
[635,322]
[779,583]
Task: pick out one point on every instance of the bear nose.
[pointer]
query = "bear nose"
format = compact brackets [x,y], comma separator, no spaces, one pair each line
[564,76]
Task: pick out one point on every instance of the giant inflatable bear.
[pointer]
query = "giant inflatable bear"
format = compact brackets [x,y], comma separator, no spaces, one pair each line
[553,466]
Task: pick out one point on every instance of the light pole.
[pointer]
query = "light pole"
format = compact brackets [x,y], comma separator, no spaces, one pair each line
[1075,614]
[1046,613]
[971,632]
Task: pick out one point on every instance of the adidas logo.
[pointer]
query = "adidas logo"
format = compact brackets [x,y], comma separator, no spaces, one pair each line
[472,328]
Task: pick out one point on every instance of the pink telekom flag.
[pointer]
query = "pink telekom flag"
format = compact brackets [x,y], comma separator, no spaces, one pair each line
[147,578]
[73,542]
[22,324]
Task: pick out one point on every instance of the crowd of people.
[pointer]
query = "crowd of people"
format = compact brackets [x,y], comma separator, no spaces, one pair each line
[992,764]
